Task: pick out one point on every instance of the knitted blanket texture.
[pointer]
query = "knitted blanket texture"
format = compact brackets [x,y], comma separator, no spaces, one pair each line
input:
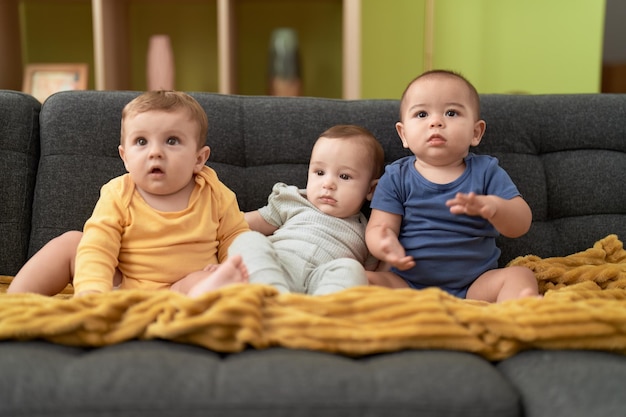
[584,307]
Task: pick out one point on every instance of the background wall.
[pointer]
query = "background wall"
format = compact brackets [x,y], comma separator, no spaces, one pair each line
[392,46]
[531,46]
[502,46]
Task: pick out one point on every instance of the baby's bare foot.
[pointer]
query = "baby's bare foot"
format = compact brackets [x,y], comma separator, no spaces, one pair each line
[232,271]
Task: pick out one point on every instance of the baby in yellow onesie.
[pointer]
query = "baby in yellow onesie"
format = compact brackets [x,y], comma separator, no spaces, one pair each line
[166,218]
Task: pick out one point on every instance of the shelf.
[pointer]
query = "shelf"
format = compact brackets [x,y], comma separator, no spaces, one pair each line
[350,56]
[112,50]
[111,37]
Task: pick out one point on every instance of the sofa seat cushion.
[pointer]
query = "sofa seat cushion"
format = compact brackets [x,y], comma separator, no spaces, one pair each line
[568,383]
[159,378]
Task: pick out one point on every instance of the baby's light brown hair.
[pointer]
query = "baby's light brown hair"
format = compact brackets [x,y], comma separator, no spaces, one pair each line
[375,150]
[168,101]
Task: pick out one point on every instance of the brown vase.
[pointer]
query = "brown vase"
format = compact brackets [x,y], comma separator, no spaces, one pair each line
[160,63]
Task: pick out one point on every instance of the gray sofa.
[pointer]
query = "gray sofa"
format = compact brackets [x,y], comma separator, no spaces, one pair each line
[567,154]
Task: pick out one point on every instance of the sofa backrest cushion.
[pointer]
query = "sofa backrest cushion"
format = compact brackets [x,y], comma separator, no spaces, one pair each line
[565,153]
[255,142]
[19,155]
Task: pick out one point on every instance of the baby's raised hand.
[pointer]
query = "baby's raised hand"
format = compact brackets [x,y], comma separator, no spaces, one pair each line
[472,204]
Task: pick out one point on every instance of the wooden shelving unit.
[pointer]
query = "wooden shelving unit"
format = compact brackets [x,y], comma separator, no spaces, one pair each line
[10,46]
[111,52]
[351,49]
[110,44]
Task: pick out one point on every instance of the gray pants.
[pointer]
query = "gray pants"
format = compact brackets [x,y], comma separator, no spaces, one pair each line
[290,271]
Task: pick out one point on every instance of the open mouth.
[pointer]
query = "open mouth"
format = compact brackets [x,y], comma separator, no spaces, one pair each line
[156,171]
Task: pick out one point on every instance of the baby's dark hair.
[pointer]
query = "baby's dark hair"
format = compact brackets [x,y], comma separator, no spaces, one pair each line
[445,73]
[168,101]
[353,131]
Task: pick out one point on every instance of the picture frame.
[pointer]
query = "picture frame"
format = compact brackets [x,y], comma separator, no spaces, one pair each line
[42,80]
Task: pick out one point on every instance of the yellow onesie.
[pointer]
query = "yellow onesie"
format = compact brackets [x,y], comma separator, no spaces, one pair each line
[154,249]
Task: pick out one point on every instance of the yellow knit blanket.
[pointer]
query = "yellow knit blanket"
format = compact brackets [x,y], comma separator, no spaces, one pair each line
[584,308]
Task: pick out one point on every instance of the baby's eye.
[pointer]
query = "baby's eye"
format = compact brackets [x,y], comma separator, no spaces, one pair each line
[451,113]
[344,176]
[141,141]
[421,114]
[172,140]
[319,172]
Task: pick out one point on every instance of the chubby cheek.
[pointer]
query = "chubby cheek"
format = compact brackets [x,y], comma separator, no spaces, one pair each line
[352,200]
[407,131]
[312,182]
[130,163]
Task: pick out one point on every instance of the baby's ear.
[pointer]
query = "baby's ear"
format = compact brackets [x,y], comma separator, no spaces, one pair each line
[373,185]
[122,153]
[479,130]
[201,158]
[400,130]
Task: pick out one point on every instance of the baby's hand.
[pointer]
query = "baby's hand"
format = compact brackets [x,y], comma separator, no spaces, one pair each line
[393,252]
[472,205]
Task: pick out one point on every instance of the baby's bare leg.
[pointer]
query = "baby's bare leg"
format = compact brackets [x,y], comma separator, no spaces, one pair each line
[504,284]
[185,284]
[385,279]
[50,270]
[232,271]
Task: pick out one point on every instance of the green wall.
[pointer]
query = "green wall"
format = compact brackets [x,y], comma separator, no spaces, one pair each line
[531,46]
[502,46]
[392,42]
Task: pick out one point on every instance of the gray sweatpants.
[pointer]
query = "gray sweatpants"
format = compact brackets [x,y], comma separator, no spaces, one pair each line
[291,270]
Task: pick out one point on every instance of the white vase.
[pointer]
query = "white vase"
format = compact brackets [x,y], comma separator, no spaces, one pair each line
[160,63]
